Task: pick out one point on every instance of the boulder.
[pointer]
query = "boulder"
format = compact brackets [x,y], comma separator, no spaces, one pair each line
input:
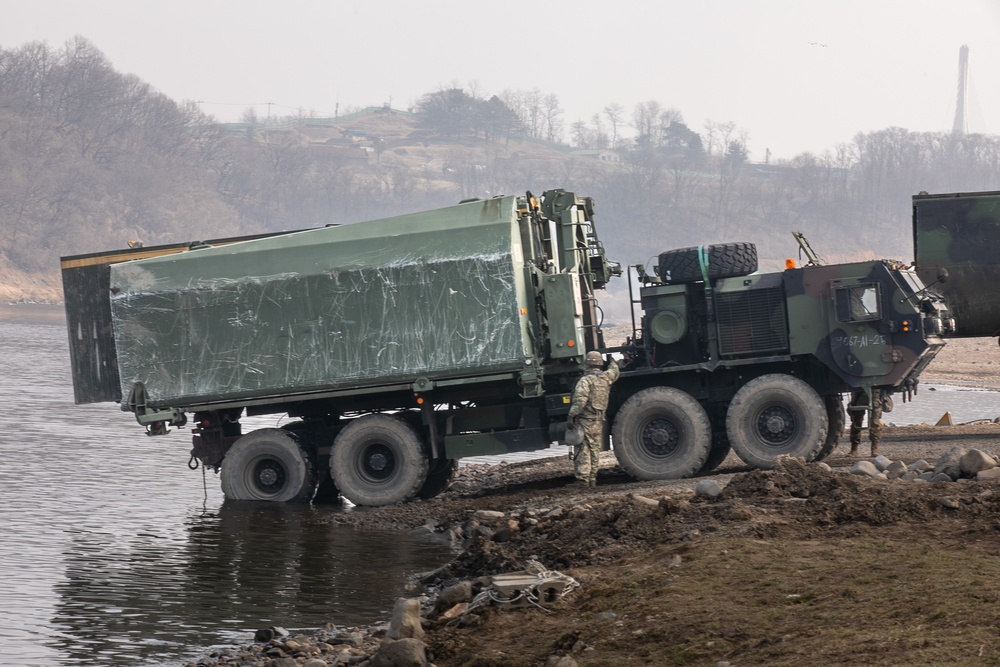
[895,470]
[407,652]
[452,595]
[866,469]
[708,488]
[975,461]
[882,462]
[919,466]
[950,462]
[405,623]
[986,475]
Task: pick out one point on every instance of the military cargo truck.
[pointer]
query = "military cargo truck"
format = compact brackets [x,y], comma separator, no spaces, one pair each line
[959,233]
[398,346]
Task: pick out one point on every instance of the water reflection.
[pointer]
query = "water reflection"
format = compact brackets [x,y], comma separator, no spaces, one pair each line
[155,595]
[115,554]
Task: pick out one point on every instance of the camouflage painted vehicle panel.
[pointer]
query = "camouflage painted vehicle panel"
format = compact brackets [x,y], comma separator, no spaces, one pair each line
[960,232]
[867,321]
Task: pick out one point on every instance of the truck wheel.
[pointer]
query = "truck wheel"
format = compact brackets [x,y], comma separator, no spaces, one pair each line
[378,460]
[776,415]
[837,419]
[717,454]
[268,464]
[326,490]
[723,260]
[438,478]
[661,433]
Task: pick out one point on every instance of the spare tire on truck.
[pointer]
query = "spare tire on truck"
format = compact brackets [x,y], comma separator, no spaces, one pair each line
[723,260]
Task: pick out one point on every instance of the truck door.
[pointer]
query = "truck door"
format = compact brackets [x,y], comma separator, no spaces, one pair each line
[860,342]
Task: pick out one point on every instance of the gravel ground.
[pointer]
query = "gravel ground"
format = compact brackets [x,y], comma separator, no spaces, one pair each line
[694,582]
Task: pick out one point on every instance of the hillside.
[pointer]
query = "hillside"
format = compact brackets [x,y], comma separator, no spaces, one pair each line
[94,159]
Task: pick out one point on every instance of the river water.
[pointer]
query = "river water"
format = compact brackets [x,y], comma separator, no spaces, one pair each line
[115,553]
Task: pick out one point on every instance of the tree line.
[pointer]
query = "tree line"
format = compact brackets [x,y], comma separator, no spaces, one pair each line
[92,157]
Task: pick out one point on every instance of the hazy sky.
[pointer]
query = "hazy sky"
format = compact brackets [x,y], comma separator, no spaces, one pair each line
[795,75]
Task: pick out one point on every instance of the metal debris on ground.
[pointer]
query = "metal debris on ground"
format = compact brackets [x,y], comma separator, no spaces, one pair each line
[535,586]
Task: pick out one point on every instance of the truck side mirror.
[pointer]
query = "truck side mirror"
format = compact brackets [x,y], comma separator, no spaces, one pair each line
[942,275]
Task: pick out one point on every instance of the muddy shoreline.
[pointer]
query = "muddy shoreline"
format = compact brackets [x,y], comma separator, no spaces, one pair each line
[784,568]
[501,517]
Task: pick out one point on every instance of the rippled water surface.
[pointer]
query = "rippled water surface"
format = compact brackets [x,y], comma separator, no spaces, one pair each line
[115,553]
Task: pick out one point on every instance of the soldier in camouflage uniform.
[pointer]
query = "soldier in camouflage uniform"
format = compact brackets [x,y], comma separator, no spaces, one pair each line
[590,400]
[859,400]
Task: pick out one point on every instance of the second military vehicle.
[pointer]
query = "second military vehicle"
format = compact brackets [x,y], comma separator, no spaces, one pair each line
[959,233]
[398,346]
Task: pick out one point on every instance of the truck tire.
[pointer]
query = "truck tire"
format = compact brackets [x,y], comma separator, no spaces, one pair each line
[661,433]
[837,419]
[723,260]
[441,472]
[268,464]
[776,415]
[717,454]
[378,460]
[326,489]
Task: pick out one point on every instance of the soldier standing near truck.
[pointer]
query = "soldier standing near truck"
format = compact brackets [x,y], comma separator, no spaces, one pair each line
[590,400]
[857,408]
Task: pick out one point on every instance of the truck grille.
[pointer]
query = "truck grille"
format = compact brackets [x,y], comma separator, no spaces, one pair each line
[751,322]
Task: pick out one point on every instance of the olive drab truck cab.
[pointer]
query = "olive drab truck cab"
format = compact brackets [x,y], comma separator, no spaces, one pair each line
[727,358]
[398,346]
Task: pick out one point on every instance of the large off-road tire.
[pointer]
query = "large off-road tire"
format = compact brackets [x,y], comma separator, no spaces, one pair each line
[378,460]
[836,419]
[723,260]
[776,415]
[439,476]
[717,454]
[268,464]
[661,433]
[326,489]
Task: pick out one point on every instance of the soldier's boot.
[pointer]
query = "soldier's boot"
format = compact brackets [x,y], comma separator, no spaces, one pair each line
[874,449]
[592,484]
[854,449]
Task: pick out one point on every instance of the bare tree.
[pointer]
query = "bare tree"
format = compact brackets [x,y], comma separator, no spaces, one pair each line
[552,112]
[646,121]
[615,114]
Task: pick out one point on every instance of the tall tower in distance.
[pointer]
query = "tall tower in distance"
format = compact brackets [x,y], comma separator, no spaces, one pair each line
[961,126]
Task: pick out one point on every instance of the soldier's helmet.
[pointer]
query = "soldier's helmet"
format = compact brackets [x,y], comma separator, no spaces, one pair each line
[594,359]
